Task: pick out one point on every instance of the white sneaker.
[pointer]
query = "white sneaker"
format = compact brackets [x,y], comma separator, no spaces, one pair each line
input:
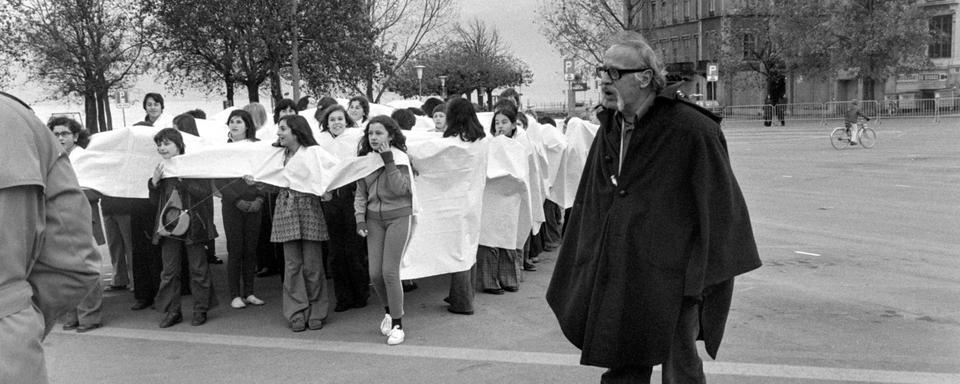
[237,303]
[254,300]
[385,325]
[396,336]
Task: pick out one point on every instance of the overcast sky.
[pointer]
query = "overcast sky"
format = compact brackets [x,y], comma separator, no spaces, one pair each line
[514,19]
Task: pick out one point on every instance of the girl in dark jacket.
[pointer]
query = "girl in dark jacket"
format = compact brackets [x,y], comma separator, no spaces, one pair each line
[241,208]
[174,247]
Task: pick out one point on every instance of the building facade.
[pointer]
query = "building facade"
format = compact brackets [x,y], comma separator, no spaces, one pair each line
[688,36]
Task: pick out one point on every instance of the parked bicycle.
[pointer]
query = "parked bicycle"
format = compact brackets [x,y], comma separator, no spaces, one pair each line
[866,136]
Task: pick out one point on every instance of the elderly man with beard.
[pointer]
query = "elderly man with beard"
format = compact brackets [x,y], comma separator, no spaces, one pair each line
[658,230]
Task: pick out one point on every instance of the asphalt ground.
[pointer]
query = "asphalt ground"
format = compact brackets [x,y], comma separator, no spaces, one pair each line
[860,284]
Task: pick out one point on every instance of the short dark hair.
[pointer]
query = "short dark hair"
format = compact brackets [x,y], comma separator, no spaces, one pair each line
[512,95]
[404,118]
[83,137]
[324,121]
[430,105]
[303,103]
[364,103]
[250,132]
[442,107]
[197,113]
[300,128]
[186,123]
[156,99]
[462,121]
[393,129]
[547,120]
[171,135]
[324,103]
[283,105]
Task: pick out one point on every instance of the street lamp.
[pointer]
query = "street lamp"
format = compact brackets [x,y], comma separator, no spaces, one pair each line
[419,69]
[443,85]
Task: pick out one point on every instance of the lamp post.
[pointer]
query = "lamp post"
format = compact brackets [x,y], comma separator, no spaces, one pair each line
[419,69]
[443,85]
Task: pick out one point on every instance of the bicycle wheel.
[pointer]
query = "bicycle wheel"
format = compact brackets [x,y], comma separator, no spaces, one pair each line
[868,138]
[839,139]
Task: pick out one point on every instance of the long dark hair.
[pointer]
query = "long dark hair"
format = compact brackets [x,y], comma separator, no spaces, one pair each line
[284,104]
[250,133]
[462,121]
[509,111]
[398,141]
[325,118]
[300,128]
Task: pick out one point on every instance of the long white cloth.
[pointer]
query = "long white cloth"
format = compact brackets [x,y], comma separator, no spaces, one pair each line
[506,219]
[580,135]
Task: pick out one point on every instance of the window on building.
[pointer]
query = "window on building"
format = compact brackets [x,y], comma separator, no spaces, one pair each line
[713,7]
[942,29]
[676,10]
[749,46]
[664,11]
[686,10]
[653,13]
[696,47]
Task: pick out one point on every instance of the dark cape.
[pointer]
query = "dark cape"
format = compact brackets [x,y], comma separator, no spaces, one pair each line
[674,225]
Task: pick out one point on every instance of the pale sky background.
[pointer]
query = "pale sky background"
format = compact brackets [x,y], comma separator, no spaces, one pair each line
[514,19]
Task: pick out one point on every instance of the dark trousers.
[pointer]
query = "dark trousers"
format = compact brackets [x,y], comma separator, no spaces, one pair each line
[550,231]
[243,232]
[269,255]
[683,365]
[145,256]
[201,284]
[348,252]
[461,290]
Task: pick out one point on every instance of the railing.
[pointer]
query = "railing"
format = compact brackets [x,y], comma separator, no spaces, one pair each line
[828,112]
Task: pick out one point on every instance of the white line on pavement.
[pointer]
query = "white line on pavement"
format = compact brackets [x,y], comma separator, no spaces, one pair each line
[806,253]
[521,357]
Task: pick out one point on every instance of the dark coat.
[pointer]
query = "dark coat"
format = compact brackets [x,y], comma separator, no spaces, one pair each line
[675,225]
[196,195]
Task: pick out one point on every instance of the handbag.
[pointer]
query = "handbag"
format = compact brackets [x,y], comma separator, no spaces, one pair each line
[174,220]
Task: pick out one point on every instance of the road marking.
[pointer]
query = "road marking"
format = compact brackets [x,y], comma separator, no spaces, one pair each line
[902,186]
[520,357]
[806,253]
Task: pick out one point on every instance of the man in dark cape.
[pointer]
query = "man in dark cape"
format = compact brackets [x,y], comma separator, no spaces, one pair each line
[658,230]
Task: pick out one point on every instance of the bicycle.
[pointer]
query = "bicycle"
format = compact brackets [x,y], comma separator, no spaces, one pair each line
[866,136]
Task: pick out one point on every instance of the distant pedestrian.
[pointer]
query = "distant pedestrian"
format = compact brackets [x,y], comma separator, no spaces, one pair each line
[658,231]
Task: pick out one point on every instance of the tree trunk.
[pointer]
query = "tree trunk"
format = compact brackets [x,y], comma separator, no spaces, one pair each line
[228,81]
[106,109]
[253,92]
[90,109]
[479,99]
[489,99]
[275,92]
[101,117]
[369,89]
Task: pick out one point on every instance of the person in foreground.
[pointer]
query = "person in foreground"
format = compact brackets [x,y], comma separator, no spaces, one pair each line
[48,262]
[658,230]
[383,205]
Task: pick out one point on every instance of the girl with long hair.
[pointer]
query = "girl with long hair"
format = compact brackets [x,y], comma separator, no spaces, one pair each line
[384,215]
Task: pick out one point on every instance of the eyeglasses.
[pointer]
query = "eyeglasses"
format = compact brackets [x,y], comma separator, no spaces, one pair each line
[616,73]
[63,134]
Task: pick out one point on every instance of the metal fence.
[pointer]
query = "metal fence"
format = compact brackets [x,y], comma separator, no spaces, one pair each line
[834,111]
[826,113]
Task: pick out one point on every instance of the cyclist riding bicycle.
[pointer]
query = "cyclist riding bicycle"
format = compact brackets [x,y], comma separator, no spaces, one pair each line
[850,119]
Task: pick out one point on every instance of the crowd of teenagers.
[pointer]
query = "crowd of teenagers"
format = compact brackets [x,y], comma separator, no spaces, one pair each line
[162,247]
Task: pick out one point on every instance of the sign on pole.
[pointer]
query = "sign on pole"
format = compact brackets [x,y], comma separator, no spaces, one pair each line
[713,72]
[569,67]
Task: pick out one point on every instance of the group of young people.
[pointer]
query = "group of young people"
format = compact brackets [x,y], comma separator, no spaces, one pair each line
[363,228]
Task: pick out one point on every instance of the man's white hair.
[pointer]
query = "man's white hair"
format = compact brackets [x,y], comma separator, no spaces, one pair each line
[636,41]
